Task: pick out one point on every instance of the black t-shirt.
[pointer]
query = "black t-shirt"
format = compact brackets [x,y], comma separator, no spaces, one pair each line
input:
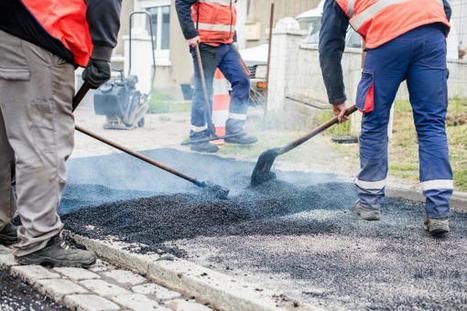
[16,19]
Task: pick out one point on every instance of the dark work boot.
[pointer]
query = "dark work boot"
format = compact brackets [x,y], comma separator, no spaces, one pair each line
[242,139]
[436,226]
[58,253]
[365,213]
[204,147]
[8,235]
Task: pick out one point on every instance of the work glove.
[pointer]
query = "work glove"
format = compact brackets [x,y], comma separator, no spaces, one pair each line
[97,73]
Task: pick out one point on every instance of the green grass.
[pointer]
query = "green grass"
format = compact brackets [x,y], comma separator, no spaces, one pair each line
[342,129]
[163,103]
[403,150]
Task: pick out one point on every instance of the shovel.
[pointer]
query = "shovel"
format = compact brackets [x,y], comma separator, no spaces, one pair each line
[262,171]
[213,189]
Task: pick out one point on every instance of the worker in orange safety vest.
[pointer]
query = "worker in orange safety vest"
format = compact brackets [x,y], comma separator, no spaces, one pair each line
[404,40]
[210,24]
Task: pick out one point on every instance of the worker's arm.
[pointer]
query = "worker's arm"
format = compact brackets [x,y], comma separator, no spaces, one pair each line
[104,23]
[183,8]
[447,9]
[103,17]
[334,24]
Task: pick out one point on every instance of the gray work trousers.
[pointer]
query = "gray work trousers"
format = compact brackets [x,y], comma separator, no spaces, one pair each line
[36,138]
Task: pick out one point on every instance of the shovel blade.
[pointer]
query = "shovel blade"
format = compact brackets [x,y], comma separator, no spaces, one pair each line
[262,171]
[215,191]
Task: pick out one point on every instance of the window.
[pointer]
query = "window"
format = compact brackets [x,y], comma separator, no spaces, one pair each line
[160,23]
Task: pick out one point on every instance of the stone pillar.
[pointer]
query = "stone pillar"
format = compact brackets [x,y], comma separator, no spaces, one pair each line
[284,50]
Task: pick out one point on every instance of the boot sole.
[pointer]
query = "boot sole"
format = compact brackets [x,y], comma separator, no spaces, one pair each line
[436,231]
[46,261]
[203,151]
[374,216]
[238,143]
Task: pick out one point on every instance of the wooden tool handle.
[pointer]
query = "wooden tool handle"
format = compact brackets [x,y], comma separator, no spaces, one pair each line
[80,95]
[315,132]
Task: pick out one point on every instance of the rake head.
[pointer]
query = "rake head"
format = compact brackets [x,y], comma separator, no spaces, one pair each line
[262,171]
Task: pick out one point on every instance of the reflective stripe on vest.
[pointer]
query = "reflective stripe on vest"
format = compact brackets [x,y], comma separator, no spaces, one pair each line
[371,11]
[380,21]
[221,2]
[215,20]
[65,21]
[350,8]
[213,27]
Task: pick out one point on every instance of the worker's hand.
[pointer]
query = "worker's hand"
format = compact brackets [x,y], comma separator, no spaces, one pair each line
[339,111]
[194,41]
[97,73]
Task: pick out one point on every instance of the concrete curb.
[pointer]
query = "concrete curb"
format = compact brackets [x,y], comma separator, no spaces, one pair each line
[458,199]
[219,290]
[102,287]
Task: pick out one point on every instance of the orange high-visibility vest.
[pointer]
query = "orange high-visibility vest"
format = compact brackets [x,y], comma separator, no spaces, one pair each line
[65,21]
[215,20]
[380,21]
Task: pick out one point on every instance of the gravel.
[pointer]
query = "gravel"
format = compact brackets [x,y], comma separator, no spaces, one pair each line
[296,235]
[17,296]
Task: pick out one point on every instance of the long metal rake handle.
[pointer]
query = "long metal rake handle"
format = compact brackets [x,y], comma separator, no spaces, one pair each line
[138,155]
[77,99]
[315,132]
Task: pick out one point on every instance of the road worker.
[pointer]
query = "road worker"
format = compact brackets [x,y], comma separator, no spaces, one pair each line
[404,40]
[41,44]
[210,24]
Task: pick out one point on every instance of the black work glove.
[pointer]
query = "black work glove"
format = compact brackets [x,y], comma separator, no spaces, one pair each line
[96,73]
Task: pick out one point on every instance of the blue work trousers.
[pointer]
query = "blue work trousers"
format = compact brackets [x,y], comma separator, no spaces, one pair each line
[420,57]
[226,58]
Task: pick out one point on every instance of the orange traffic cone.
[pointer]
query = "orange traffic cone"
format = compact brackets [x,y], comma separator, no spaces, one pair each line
[220,104]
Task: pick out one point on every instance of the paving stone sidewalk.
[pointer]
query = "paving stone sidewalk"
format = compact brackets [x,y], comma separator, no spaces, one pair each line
[103,287]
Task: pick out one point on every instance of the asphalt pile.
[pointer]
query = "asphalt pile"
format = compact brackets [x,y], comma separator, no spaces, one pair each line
[155,220]
[301,241]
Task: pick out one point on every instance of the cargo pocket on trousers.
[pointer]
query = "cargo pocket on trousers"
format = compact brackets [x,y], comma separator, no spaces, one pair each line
[13,62]
[42,125]
[365,93]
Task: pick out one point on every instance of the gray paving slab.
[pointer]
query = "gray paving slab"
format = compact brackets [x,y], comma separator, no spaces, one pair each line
[58,288]
[182,305]
[32,274]
[77,274]
[158,291]
[89,303]
[138,302]
[125,277]
[104,288]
